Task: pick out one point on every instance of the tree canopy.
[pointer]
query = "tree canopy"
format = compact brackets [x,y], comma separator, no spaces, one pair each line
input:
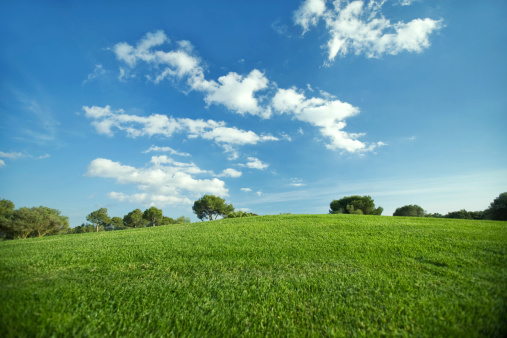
[498,208]
[210,206]
[153,216]
[99,218]
[30,222]
[411,210]
[362,205]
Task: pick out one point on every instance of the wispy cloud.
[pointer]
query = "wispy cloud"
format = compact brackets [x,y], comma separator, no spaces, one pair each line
[97,72]
[361,28]
[165,149]
[17,155]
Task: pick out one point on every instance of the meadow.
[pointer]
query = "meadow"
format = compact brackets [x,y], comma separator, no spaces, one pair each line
[286,275]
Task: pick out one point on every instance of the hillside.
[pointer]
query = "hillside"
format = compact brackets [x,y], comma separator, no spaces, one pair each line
[298,275]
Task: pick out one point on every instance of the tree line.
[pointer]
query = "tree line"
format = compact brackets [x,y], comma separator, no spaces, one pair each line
[99,220]
[364,205]
[42,221]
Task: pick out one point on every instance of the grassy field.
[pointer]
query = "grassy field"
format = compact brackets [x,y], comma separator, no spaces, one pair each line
[295,275]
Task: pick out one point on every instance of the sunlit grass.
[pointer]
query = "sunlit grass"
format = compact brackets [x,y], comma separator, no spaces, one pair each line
[314,275]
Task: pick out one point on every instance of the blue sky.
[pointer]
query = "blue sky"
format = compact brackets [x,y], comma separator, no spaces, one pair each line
[277,106]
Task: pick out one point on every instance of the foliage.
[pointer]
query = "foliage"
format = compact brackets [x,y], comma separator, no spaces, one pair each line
[117,223]
[182,220]
[498,208]
[153,215]
[134,219]
[239,214]
[30,222]
[290,275]
[412,210]
[211,205]
[461,214]
[83,228]
[361,205]
[99,219]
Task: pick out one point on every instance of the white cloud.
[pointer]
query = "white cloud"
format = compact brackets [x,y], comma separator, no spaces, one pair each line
[164,182]
[309,13]
[97,72]
[356,27]
[234,91]
[229,172]
[296,182]
[327,114]
[12,155]
[105,120]
[2,163]
[237,92]
[240,94]
[166,150]
[254,163]
[246,189]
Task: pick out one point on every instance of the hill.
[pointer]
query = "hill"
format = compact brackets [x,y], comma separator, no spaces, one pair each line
[298,275]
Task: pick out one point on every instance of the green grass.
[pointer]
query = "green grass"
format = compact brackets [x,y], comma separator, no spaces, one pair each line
[294,275]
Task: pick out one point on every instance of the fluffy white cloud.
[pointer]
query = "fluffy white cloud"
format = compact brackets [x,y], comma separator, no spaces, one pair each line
[246,189]
[105,120]
[164,182]
[255,163]
[2,163]
[229,172]
[325,113]
[234,91]
[361,28]
[238,93]
[309,13]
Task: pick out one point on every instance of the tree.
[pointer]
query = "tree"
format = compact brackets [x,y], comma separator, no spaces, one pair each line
[410,210]
[6,211]
[134,219]
[462,214]
[99,218]
[498,208]
[153,216]
[182,220]
[355,205]
[83,228]
[36,221]
[240,214]
[117,223]
[211,205]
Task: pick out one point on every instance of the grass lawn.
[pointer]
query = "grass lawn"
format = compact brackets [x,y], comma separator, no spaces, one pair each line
[295,275]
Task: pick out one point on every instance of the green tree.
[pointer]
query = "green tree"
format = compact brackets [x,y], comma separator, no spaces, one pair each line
[240,214]
[37,221]
[462,214]
[83,228]
[355,205]
[167,221]
[182,220]
[99,218]
[153,216]
[117,223]
[134,219]
[211,205]
[498,208]
[410,210]
[6,212]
